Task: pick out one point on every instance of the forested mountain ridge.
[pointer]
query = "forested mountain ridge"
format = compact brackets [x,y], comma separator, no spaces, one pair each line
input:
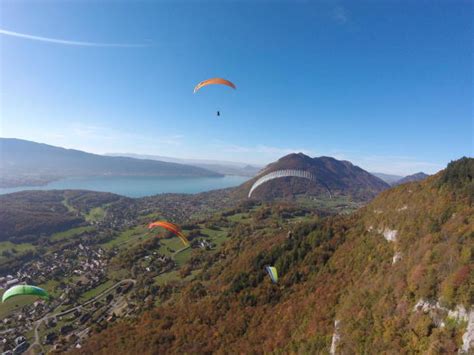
[396,276]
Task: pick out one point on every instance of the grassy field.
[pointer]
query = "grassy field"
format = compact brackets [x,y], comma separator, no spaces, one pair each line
[182,257]
[68,206]
[13,249]
[217,236]
[170,245]
[71,233]
[127,237]
[50,285]
[95,291]
[155,216]
[95,214]
[163,279]
[167,277]
[238,217]
[336,203]
[118,275]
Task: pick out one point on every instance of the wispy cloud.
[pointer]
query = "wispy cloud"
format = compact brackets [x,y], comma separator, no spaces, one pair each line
[94,132]
[111,134]
[340,15]
[264,149]
[390,164]
[69,42]
[260,154]
[176,140]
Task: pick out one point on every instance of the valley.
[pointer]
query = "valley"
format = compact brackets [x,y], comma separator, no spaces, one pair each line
[236,177]
[108,270]
[85,268]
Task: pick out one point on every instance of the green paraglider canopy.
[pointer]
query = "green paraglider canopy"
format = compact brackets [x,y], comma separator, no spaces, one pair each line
[25,290]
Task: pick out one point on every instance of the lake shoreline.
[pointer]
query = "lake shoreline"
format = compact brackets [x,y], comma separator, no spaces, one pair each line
[135,186]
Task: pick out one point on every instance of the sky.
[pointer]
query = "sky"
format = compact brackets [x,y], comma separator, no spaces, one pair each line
[385,84]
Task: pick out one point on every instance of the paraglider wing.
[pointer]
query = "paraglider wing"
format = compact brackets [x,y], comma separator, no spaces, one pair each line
[214,81]
[173,228]
[272,272]
[24,290]
[167,225]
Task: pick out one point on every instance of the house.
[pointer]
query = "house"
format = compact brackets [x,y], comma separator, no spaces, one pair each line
[12,282]
[84,318]
[204,244]
[66,329]
[50,338]
[58,347]
[21,348]
[19,340]
[51,323]
[71,338]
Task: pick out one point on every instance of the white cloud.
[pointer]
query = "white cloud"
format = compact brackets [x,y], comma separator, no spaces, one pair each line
[67,42]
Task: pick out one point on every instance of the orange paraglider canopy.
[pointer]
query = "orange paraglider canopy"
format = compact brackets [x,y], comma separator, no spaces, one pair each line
[214,81]
[173,228]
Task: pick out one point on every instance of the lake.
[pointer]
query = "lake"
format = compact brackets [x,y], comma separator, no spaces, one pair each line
[138,186]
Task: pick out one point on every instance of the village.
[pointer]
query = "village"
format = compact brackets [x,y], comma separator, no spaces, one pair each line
[70,273]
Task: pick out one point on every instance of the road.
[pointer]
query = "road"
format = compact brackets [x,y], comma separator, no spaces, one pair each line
[181,250]
[70,310]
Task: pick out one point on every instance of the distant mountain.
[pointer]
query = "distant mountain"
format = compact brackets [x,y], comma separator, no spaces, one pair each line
[332,177]
[415,177]
[218,166]
[388,178]
[28,163]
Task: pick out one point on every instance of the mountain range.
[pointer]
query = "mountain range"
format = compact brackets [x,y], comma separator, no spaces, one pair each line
[28,163]
[218,166]
[388,178]
[415,177]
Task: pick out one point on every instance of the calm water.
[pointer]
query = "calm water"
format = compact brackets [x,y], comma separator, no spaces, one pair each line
[138,186]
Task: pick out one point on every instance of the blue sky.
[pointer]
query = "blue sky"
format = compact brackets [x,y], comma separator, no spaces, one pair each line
[387,85]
